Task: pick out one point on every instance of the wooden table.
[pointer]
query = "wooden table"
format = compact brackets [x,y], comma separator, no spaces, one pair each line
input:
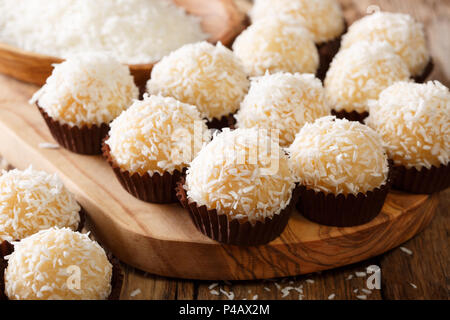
[420,270]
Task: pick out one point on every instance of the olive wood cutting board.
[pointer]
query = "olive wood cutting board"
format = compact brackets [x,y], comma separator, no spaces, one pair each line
[161,239]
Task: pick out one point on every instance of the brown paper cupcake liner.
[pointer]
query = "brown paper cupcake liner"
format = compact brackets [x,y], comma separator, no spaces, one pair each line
[156,188]
[223,229]
[225,122]
[351,116]
[343,210]
[425,181]
[82,140]
[426,72]
[327,51]
[7,248]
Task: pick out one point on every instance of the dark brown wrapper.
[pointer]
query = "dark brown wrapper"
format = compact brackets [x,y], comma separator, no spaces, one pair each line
[426,72]
[82,214]
[116,278]
[351,116]
[155,189]
[82,140]
[425,181]
[225,122]
[343,210]
[7,248]
[327,51]
[231,231]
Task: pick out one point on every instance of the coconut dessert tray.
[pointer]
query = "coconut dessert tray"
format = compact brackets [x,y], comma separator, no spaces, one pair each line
[162,239]
[221,19]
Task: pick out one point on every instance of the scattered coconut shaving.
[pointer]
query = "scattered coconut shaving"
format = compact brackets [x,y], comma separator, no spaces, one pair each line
[229,295]
[212,286]
[214,292]
[48,145]
[136,292]
[406,250]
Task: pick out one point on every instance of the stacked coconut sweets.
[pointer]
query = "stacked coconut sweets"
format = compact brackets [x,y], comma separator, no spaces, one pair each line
[284,139]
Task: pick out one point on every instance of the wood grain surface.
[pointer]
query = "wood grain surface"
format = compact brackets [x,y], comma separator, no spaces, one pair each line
[423,274]
[219,18]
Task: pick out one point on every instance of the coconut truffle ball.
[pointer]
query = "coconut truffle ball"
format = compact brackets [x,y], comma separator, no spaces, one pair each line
[241,173]
[323,18]
[276,44]
[156,134]
[339,156]
[46,265]
[283,101]
[359,73]
[405,35]
[87,89]
[207,76]
[31,201]
[414,122]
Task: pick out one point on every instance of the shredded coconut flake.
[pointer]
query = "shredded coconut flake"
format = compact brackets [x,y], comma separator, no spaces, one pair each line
[89,88]
[38,267]
[207,76]
[33,200]
[134,31]
[414,122]
[221,174]
[323,18]
[406,250]
[276,44]
[136,292]
[48,145]
[339,156]
[283,101]
[405,35]
[156,135]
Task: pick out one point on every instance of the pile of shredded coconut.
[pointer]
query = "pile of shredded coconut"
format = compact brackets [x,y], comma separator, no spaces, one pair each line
[283,101]
[157,134]
[323,18]
[414,122]
[33,200]
[87,89]
[339,156]
[43,266]
[207,76]
[360,72]
[277,44]
[134,31]
[241,173]
[405,35]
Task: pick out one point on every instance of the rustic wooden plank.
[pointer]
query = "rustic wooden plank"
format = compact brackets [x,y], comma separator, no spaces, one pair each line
[338,284]
[428,268]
